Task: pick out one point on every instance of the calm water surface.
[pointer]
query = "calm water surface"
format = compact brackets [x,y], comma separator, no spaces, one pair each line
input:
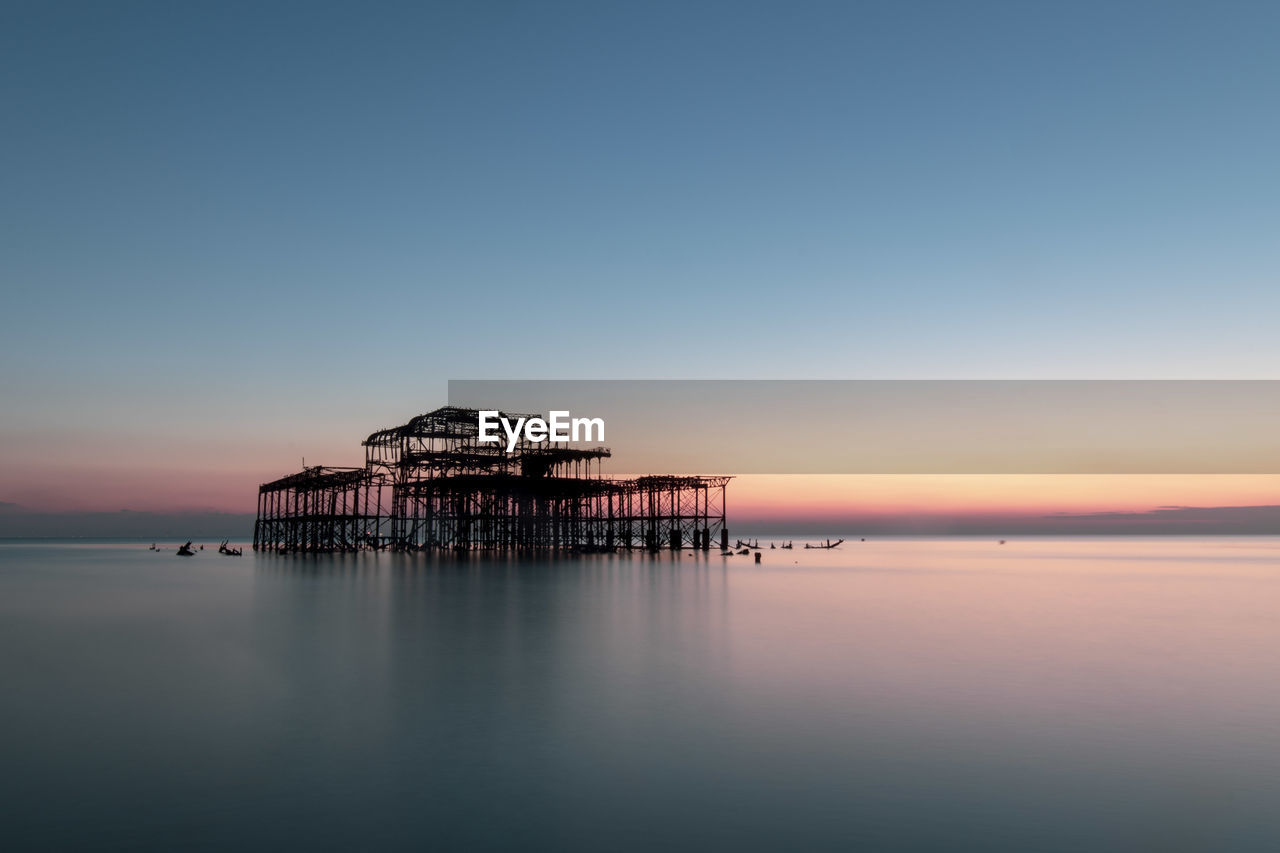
[1115,694]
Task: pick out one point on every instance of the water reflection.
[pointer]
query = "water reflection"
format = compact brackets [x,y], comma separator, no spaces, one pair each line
[1099,694]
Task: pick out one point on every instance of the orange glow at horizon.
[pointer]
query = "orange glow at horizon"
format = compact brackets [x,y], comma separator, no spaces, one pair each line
[216,485]
[785,496]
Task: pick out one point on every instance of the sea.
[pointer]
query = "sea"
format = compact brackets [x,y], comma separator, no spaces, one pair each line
[1083,694]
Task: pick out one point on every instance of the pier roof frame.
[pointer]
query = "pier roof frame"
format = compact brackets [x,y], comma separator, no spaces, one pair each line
[318,477]
[444,422]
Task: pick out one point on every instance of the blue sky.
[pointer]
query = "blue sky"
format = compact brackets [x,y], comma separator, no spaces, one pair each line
[313,214]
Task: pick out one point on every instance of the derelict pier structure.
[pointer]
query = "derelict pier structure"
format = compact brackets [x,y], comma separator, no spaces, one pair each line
[432,484]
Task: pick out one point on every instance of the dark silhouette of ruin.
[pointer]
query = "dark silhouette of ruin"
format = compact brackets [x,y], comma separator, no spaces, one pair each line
[431,484]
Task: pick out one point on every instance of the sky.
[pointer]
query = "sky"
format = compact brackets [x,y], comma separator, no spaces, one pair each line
[240,234]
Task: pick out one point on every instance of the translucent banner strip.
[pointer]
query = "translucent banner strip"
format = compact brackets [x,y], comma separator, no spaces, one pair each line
[912,426]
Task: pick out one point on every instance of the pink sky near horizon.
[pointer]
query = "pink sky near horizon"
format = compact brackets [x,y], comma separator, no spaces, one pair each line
[148,462]
[225,483]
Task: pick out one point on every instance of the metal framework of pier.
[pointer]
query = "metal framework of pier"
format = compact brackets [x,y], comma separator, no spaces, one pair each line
[432,484]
